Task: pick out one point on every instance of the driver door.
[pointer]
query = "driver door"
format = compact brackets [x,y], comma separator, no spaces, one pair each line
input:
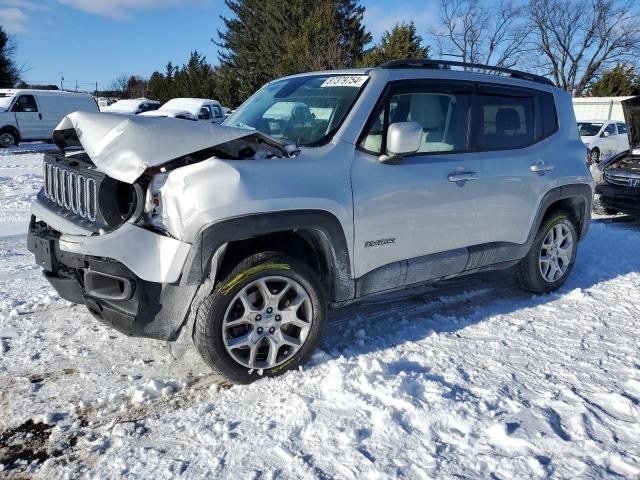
[29,119]
[416,207]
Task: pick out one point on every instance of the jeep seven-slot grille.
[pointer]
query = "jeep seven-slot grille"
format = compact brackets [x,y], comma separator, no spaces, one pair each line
[72,191]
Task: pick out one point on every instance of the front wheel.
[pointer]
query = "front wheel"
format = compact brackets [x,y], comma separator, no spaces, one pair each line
[552,255]
[265,317]
[8,138]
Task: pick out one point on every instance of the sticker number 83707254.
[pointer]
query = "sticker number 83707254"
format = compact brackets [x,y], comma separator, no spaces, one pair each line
[345,81]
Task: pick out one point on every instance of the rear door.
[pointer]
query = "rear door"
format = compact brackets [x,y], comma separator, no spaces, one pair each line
[512,128]
[623,139]
[29,118]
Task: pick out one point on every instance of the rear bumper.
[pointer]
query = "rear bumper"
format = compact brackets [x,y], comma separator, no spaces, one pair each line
[622,199]
[112,292]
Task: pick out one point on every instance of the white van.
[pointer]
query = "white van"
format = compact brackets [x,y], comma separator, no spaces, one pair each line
[202,109]
[33,114]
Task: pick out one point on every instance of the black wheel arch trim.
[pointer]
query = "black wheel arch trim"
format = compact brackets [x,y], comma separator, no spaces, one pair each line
[329,231]
[575,191]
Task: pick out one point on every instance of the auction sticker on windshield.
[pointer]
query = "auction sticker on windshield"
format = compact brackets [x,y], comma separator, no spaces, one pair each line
[345,81]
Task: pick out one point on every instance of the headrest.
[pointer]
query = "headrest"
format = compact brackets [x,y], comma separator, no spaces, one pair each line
[427,111]
[507,119]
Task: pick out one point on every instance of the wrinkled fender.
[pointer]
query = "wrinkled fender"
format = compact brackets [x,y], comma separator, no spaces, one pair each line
[329,231]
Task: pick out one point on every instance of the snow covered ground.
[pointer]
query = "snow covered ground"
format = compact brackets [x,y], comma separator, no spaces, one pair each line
[473,379]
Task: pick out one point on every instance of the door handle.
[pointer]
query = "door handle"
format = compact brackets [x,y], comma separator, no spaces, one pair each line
[463,176]
[541,167]
[40,115]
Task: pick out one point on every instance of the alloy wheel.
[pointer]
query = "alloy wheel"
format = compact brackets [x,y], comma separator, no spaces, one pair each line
[267,322]
[556,253]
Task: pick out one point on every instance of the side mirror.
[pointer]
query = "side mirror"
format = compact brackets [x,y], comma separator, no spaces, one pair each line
[604,134]
[403,138]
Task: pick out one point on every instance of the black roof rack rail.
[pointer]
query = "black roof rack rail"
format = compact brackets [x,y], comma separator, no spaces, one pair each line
[447,64]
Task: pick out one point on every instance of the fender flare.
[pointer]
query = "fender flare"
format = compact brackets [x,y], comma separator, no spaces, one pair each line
[581,191]
[217,235]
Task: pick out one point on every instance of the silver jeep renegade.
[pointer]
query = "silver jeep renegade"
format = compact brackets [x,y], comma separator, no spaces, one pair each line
[320,189]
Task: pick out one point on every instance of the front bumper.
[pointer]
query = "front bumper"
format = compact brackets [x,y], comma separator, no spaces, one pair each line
[151,256]
[622,199]
[113,293]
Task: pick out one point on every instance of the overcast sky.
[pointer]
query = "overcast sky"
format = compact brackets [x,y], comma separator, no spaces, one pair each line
[96,40]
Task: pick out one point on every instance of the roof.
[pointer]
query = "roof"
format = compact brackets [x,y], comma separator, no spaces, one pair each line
[192,105]
[469,70]
[600,120]
[16,91]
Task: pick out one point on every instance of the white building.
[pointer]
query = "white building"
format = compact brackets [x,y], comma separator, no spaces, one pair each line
[599,108]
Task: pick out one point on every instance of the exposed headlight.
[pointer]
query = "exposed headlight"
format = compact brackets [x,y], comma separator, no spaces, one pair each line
[154,213]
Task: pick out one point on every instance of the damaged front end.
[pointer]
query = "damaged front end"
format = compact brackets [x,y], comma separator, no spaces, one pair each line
[107,183]
[618,178]
[103,228]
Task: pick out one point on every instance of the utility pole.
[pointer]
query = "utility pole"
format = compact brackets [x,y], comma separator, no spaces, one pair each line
[61,82]
[96,89]
[76,86]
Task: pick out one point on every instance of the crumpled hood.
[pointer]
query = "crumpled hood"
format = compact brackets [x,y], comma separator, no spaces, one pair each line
[124,147]
[631,110]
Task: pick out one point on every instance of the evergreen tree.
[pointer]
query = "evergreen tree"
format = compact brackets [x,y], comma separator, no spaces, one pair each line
[195,79]
[401,42]
[264,40]
[158,87]
[9,72]
[619,81]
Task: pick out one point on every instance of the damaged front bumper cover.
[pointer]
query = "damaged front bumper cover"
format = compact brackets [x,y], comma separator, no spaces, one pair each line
[113,293]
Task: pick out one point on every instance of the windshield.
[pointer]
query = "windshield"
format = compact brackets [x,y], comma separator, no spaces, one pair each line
[5,101]
[588,129]
[304,110]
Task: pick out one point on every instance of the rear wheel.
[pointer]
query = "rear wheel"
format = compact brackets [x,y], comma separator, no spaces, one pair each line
[264,318]
[552,255]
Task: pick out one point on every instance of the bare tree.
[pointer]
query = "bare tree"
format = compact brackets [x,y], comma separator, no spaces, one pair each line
[120,84]
[481,32]
[578,39]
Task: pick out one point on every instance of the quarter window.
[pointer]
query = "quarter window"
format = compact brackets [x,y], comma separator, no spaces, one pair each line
[25,103]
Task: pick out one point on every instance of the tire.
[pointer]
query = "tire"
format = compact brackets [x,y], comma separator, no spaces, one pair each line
[594,156]
[9,138]
[531,269]
[258,326]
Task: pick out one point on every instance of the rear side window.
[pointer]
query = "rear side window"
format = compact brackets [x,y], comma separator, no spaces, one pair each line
[25,103]
[547,109]
[506,122]
[516,119]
